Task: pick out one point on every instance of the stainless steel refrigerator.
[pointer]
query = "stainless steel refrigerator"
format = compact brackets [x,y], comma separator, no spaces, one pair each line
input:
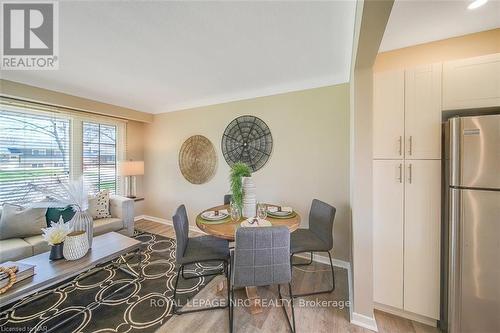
[471,279]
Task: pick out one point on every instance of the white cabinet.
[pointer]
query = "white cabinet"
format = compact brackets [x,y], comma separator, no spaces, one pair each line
[472,83]
[423,112]
[406,189]
[407,113]
[406,235]
[388,232]
[422,230]
[388,114]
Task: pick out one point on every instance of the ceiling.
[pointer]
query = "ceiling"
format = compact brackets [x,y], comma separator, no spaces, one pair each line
[163,56]
[415,22]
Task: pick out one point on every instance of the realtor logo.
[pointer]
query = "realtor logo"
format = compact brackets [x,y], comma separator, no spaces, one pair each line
[29,35]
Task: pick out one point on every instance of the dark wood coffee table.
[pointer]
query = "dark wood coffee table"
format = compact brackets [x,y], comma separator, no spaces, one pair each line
[49,273]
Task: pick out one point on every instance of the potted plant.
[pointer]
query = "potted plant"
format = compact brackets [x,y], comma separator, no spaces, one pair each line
[239,171]
[55,235]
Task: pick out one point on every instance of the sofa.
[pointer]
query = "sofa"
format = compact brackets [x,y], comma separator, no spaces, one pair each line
[121,220]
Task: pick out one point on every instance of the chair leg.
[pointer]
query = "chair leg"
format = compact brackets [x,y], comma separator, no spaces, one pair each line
[174,300]
[180,273]
[231,311]
[322,291]
[302,264]
[291,324]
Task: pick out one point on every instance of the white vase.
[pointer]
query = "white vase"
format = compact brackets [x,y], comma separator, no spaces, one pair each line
[82,221]
[249,197]
[76,245]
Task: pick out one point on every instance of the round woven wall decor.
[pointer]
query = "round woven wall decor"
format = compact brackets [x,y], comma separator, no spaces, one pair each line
[247,139]
[197,159]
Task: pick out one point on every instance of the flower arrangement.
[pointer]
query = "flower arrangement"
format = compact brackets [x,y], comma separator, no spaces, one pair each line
[57,232]
[238,170]
[74,194]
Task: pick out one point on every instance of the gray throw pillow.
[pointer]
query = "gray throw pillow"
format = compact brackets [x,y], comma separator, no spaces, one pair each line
[19,222]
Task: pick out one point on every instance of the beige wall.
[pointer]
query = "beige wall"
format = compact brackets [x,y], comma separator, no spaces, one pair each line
[135,151]
[473,45]
[50,97]
[310,157]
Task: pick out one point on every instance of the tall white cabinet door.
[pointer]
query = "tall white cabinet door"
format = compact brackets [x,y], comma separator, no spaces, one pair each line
[388,115]
[423,112]
[388,187]
[472,83]
[422,237]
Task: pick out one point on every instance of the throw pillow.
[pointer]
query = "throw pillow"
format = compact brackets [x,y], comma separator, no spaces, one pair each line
[99,205]
[21,222]
[54,214]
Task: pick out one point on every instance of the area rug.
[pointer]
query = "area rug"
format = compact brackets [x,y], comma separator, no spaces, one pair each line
[140,306]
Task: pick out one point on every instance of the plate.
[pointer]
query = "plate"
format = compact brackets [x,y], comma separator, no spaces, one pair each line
[260,223]
[282,213]
[210,216]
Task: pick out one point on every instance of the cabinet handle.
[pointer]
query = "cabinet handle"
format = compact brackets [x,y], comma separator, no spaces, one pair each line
[409,173]
[400,178]
[410,144]
[400,141]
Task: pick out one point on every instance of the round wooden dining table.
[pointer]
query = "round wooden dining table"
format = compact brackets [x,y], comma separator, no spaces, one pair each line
[226,229]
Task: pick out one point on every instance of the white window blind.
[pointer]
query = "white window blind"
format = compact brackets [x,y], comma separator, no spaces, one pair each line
[99,156]
[34,150]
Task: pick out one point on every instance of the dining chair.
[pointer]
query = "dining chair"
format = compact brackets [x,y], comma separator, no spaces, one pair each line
[190,251]
[318,238]
[261,257]
[227,199]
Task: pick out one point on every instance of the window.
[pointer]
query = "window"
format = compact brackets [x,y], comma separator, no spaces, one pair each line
[99,156]
[25,142]
[42,145]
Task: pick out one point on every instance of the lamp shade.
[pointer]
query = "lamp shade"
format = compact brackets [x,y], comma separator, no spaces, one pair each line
[131,168]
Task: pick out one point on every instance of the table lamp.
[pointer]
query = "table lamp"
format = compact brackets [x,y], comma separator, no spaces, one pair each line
[131,169]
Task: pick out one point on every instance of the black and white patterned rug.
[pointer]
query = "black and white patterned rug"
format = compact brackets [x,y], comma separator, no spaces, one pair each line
[141,306]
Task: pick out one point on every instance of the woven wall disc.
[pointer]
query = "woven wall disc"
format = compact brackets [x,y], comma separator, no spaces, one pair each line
[247,139]
[197,159]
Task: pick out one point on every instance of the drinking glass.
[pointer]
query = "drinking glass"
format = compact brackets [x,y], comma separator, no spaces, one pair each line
[261,211]
[235,212]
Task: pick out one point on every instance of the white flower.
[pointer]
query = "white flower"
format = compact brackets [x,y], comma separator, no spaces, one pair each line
[57,232]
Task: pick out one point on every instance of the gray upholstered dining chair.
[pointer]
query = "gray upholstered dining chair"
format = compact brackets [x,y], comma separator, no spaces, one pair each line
[318,238]
[261,257]
[227,199]
[194,250]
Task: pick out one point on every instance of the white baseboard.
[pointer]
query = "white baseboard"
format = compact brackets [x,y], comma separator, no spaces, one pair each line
[364,321]
[405,314]
[165,221]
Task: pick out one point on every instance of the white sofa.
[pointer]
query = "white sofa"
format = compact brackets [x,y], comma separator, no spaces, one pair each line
[121,220]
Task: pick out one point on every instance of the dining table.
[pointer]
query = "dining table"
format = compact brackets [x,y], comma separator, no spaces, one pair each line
[226,229]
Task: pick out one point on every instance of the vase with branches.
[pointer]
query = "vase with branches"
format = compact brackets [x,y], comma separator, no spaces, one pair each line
[238,171]
[73,194]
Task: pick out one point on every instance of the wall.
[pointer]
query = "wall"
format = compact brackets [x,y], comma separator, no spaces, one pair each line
[371,20]
[50,97]
[310,157]
[473,45]
[135,151]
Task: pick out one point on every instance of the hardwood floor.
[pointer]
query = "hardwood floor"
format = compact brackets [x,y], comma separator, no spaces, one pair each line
[334,317]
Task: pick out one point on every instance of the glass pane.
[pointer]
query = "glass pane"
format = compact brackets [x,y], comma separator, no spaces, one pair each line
[34,150]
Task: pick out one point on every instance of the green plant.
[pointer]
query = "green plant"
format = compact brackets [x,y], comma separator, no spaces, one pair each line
[238,170]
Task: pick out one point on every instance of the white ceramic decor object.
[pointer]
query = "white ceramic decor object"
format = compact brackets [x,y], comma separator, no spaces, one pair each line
[76,245]
[82,221]
[249,197]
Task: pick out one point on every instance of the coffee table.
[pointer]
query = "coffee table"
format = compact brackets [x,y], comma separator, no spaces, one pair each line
[48,273]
